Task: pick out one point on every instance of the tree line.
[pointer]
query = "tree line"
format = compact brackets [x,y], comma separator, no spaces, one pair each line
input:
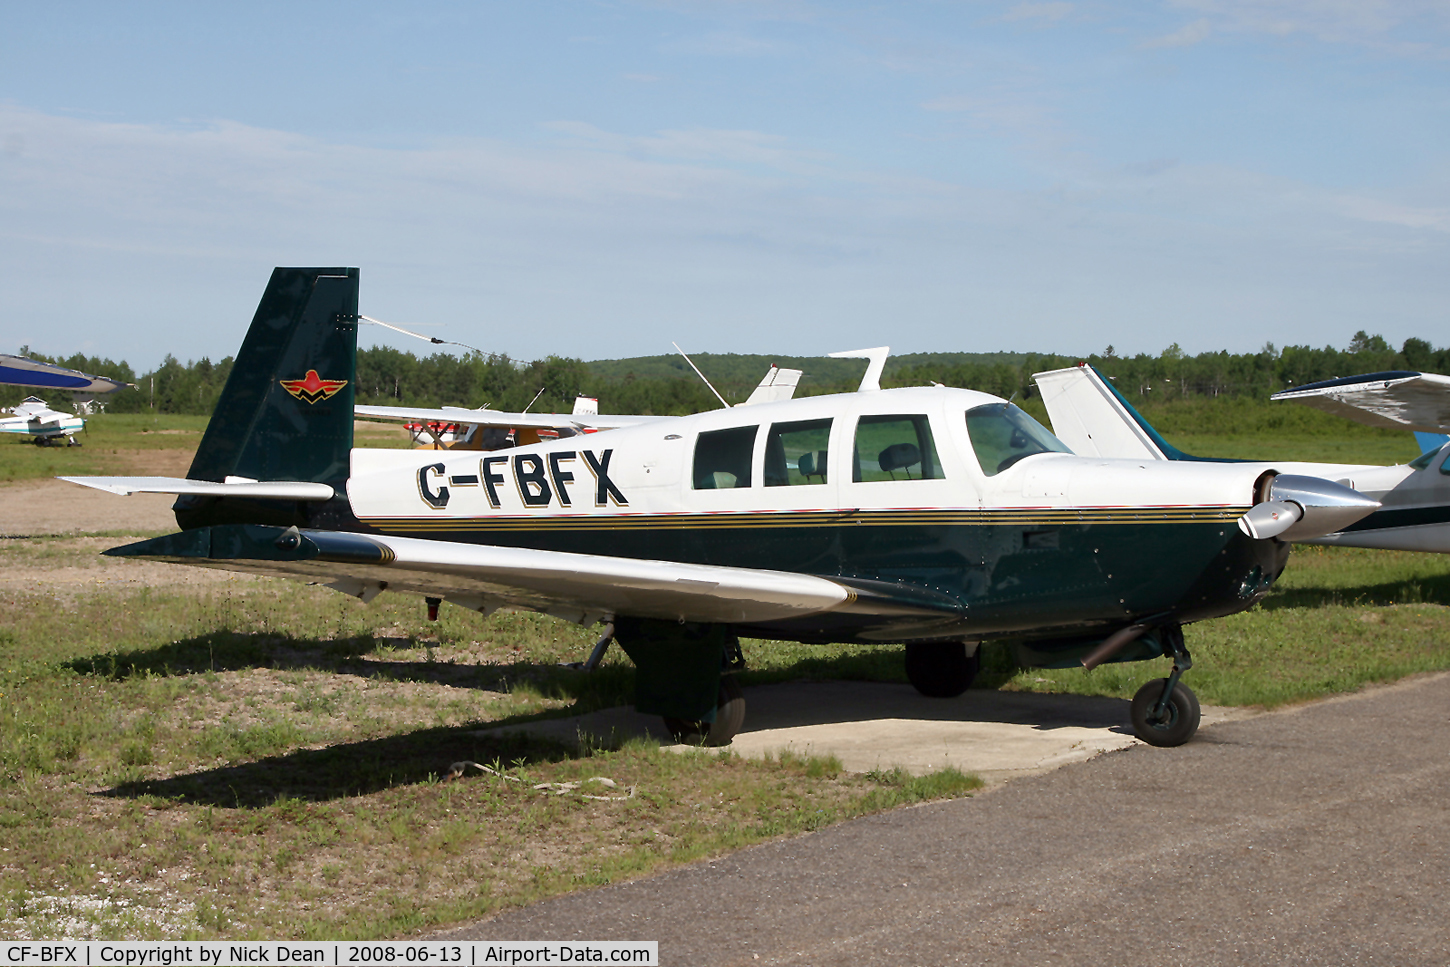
[664,385]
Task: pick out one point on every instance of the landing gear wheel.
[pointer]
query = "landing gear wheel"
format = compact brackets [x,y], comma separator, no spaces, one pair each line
[729,718]
[1178,721]
[941,669]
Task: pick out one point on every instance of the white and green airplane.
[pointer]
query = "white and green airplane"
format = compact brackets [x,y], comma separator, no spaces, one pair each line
[36,422]
[928,516]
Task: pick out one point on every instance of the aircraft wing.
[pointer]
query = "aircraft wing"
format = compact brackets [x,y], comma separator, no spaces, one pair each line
[486,577]
[499,418]
[1397,400]
[24,371]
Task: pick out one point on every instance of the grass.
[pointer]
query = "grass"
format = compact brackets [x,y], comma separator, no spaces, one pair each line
[129,443]
[263,759]
[270,760]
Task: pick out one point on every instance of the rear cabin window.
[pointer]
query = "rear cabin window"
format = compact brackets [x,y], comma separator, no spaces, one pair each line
[795,453]
[722,458]
[895,448]
[1002,434]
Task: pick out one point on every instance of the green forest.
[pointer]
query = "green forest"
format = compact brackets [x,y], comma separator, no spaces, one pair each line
[665,385]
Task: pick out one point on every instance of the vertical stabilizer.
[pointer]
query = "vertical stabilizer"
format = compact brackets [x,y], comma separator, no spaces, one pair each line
[777,386]
[1093,419]
[286,411]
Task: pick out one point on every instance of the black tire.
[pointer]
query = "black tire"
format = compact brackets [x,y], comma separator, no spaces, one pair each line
[941,669]
[1180,717]
[729,718]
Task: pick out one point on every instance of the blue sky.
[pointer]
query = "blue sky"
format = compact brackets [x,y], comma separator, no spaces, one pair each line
[598,179]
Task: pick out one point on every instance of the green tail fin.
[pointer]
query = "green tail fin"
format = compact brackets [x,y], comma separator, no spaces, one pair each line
[287,409]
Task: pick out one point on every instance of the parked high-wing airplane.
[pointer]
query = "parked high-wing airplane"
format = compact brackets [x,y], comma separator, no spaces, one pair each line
[33,418]
[1093,418]
[928,516]
[36,421]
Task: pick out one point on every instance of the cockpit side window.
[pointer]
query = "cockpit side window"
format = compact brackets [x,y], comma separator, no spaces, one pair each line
[1002,434]
[895,448]
[722,458]
[795,453]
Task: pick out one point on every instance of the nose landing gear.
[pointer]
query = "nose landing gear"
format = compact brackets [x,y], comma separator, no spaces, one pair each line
[1165,712]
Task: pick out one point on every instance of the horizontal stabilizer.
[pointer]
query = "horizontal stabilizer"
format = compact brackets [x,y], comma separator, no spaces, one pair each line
[1400,400]
[233,487]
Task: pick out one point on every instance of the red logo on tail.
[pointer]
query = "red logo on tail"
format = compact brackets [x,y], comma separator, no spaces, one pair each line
[312,387]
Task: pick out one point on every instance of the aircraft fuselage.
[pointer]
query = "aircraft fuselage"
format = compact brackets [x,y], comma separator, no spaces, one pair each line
[1053,544]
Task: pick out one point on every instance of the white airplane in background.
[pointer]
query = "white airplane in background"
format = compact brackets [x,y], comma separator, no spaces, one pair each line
[459,428]
[1090,415]
[37,422]
[925,516]
[33,418]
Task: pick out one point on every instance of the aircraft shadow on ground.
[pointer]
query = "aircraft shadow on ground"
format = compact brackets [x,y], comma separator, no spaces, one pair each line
[359,768]
[838,703]
[346,769]
[1430,589]
[226,651]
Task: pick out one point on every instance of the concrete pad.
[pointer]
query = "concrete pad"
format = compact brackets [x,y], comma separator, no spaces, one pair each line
[871,725]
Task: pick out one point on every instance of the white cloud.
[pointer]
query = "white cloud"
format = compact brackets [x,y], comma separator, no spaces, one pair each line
[1186,36]
[147,239]
[1050,11]
[1398,25]
[723,43]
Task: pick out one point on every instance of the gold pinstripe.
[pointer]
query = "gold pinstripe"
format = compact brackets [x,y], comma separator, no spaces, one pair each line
[818,518]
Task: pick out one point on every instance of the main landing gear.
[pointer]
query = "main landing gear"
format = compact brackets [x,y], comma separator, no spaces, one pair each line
[942,669]
[729,717]
[684,673]
[1165,712]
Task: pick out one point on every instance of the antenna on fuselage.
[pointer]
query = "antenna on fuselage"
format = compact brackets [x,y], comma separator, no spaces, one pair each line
[871,382]
[701,375]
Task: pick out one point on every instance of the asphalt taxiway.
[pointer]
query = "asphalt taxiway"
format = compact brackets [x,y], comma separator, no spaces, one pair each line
[1315,835]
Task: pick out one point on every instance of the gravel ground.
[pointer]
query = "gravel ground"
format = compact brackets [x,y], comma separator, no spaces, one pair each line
[48,507]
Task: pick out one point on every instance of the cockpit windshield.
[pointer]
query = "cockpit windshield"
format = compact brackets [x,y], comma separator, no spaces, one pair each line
[1002,434]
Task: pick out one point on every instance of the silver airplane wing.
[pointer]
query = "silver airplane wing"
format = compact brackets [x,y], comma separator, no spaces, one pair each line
[1399,400]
